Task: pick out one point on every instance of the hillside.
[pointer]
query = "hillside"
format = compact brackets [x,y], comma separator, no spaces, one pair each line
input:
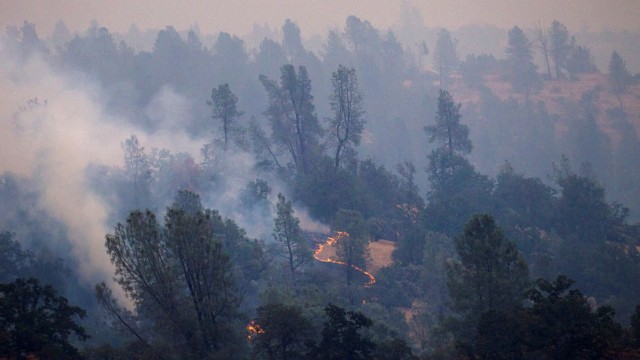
[380,252]
[555,93]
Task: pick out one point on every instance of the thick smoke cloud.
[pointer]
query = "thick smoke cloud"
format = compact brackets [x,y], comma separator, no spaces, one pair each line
[53,127]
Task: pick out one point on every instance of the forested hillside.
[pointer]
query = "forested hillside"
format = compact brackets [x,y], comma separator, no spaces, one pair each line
[206,198]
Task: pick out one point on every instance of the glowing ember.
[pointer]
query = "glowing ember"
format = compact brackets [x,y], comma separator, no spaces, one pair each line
[254,329]
[331,240]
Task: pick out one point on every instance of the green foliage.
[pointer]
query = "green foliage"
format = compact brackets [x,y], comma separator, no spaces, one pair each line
[229,60]
[575,230]
[410,229]
[139,173]
[256,192]
[181,275]
[565,325]
[325,190]
[397,285]
[560,324]
[341,336]
[447,132]
[445,57]
[619,76]
[582,213]
[489,275]
[500,334]
[395,349]
[375,191]
[410,244]
[223,107]
[347,123]
[437,252]
[523,72]
[522,132]
[352,246]
[18,263]
[286,231]
[474,68]
[595,241]
[457,192]
[523,201]
[580,61]
[586,141]
[291,113]
[34,320]
[364,186]
[559,47]
[280,331]
[13,261]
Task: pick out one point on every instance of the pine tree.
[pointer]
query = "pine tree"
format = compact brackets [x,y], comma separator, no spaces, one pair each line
[447,131]
[619,76]
[445,57]
[524,75]
[347,123]
[489,275]
[287,233]
[223,106]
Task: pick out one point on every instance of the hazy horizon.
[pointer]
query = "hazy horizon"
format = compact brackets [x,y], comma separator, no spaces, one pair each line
[316,17]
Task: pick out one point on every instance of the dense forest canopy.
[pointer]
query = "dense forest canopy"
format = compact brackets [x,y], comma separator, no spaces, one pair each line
[185,195]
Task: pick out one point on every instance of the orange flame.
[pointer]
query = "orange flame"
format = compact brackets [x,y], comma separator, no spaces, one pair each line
[254,329]
[331,240]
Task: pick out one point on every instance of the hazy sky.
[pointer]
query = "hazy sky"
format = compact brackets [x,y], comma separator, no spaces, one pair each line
[314,16]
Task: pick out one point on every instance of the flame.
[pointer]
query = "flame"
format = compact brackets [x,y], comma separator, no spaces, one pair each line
[254,329]
[331,240]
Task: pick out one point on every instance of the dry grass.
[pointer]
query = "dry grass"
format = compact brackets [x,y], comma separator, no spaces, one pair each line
[379,254]
[557,92]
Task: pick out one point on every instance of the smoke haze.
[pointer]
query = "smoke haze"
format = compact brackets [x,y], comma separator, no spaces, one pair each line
[54,127]
[317,16]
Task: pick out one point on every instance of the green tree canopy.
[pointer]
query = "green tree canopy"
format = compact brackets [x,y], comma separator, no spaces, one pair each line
[352,240]
[445,57]
[448,132]
[347,123]
[559,47]
[566,326]
[223,109]
[280,331]
[34,320]
[287,233]
[291,113]
[489,275]
[524,73]
[180,274]
[619,76]
[342,337]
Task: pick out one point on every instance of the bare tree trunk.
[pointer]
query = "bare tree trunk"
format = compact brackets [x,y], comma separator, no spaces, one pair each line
[544,45]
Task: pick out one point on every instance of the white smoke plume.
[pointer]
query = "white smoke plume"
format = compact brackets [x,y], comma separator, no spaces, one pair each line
[53,139]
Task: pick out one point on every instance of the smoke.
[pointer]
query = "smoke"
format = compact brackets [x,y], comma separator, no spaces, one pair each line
[308,224]
[169,110]
[53,127]
[233,171]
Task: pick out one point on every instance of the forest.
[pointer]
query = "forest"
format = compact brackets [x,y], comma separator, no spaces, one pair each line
[378,197]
